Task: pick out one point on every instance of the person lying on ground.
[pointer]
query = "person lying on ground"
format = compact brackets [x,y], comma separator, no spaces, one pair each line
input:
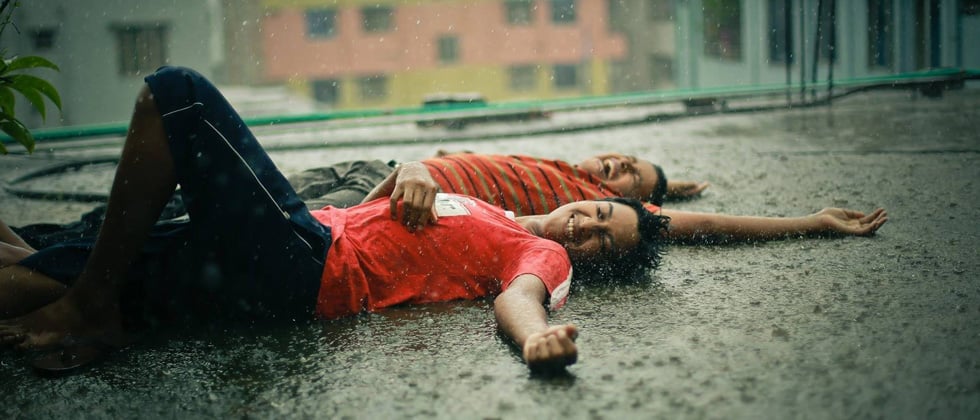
[527,193]
[524,185]
[607,175]
[521,184]
[231,187]
[253,250]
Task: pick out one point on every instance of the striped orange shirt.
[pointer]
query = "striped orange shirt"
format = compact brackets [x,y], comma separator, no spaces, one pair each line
[523,184]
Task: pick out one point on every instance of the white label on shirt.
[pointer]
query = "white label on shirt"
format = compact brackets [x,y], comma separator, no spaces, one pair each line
[447,205]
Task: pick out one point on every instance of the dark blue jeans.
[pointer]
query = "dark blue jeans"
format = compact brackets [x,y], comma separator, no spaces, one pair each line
[250,249]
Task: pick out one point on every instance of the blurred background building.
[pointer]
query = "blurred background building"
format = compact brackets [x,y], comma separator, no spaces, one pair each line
[295,56]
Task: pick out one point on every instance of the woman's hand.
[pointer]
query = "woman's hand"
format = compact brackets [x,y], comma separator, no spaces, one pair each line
[551,349]
[851,222]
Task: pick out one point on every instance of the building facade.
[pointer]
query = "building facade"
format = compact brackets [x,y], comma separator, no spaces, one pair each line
[754,42]
[105,47]
[351,54]
[393,53]
[648,26]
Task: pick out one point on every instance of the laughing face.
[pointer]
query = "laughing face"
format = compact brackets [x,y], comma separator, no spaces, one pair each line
[627,175]
[593,230]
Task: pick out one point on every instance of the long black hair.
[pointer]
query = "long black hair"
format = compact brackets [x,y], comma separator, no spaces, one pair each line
[645,256]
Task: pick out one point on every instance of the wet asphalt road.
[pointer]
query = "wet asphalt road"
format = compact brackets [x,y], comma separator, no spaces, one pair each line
[802,328]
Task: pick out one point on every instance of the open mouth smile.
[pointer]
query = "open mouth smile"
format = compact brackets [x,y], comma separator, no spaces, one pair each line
[570,229]
[608,168]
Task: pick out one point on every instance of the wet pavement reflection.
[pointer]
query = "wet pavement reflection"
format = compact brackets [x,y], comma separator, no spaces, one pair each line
[818,327]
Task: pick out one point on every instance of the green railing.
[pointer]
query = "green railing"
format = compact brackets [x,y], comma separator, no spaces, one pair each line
[442,111]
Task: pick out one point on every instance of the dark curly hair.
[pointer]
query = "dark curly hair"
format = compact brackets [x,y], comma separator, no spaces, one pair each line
[645,256]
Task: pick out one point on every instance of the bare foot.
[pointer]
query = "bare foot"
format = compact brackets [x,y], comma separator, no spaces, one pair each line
[51,325]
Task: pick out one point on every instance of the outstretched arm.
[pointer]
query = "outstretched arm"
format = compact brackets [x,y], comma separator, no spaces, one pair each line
[521,316]
[412,184]
[713,228]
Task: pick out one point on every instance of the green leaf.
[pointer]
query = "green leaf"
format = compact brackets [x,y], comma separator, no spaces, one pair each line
[33,96]
[29,62]
[7,101]
[20,133]
[38,84]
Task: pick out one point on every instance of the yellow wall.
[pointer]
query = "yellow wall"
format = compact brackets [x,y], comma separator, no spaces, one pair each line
[407,89]
[273,4]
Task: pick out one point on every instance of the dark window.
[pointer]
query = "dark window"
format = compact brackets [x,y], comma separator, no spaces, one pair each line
[779,50]
[519,12]
[43,38]
[563,11]
[970,7]
[523,78]
[826,26]
[448,49]
[326,91]
[376,18]
[723,29]
[879,33]
[142,49]
[373,88]
[659,10]
[565,76]
[321,23]
[661,70]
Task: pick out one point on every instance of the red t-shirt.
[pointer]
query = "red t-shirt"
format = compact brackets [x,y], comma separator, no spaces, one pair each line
[523,184]
[474,250]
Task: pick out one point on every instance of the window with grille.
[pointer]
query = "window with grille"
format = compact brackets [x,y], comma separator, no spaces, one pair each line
[879,33]
[142,49]
[321,23]
[373,88]
[519,12]
[780,47]
[563,11]
[522,77]
[723,29]
[448,49]
[376,18]
[565,76]
[326,91]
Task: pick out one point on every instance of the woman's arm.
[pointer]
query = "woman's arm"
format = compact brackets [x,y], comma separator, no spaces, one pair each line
[712,228]
[521,316]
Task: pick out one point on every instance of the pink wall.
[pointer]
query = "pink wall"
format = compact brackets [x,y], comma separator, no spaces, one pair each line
[485,38]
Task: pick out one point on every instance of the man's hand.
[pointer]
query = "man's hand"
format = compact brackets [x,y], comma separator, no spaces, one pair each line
[851,222]
[416,189]
[685,189]
[551,349]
